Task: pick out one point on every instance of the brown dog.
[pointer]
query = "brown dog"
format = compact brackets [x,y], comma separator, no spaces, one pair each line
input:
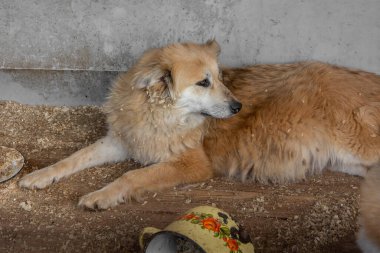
[172,113]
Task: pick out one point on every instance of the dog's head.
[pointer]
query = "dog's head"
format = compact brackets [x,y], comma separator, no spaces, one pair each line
[189,74]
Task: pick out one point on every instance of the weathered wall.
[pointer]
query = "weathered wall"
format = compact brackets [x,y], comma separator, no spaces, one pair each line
[110,35]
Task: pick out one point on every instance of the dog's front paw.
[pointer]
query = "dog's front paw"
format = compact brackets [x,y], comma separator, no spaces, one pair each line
[38,179]
[102,199]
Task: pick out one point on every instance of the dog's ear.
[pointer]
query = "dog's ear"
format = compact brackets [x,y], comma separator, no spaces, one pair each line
[150,70]
[144,79]
[148,76]
[213,45]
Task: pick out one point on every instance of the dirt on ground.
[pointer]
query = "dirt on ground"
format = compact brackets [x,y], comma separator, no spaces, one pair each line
[316,215]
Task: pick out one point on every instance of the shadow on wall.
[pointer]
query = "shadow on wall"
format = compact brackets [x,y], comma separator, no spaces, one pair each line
[55,87]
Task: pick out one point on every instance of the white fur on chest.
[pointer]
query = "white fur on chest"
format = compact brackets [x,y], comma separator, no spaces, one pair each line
[155,136]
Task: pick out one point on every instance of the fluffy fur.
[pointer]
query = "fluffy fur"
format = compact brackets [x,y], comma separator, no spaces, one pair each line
[173,111]
[369,234]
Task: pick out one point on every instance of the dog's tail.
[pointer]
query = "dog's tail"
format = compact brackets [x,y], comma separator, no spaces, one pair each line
[369,234]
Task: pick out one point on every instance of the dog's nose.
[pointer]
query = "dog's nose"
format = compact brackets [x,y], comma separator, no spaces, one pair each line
[235,106]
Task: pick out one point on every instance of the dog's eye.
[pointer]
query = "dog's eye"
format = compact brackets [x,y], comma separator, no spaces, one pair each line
[204,83]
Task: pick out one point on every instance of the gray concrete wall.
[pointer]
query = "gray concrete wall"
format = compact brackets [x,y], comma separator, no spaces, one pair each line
[109,35]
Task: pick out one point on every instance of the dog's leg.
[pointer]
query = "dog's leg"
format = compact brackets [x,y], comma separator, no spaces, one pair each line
[191,166]
[103,151]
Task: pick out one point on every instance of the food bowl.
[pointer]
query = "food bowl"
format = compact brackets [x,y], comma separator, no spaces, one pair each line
[203,229]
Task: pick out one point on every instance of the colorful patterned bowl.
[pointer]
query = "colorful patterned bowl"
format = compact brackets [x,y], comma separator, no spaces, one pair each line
[203,229]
